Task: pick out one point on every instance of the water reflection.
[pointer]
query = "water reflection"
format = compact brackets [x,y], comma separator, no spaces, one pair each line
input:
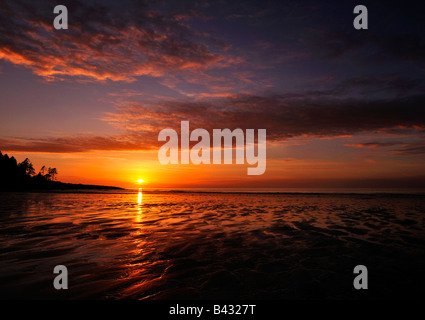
[140,198]
[139,205]
[206,246]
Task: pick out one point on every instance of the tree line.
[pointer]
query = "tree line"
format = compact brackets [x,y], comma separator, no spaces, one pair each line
[18,175]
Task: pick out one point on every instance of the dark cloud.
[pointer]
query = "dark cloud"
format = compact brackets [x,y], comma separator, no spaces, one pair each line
[374,145]
[395,32]
[361,87]
[394,147]
[284,116]
[105,39]
[411,149]
[409,46]
[328,113]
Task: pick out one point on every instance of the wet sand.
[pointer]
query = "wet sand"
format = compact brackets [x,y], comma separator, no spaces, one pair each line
[211,246]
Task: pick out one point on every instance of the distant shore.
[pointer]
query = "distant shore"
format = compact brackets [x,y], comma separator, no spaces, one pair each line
[22,177]
[56,185]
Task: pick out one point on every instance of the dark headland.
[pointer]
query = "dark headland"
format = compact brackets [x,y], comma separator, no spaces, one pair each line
[21,176]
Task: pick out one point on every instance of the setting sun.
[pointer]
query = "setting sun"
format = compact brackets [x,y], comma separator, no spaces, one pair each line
[140,181]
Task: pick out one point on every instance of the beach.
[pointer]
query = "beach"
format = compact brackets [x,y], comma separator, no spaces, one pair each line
[211,245]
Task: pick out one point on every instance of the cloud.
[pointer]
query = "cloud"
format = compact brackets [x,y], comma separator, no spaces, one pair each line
[284,116]
[72,144]
[411,149]
[373,145]
[334,43]
[333,112]
[394,147]
[104,40]
[395,35]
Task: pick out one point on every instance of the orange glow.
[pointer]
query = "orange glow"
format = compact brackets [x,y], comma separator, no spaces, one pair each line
[134,169]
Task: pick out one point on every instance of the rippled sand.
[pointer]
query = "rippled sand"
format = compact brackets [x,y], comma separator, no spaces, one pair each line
[211,246]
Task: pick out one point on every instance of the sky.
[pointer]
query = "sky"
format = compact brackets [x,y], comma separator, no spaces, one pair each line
[342,107]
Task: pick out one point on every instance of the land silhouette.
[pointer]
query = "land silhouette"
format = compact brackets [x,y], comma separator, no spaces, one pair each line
[21,176]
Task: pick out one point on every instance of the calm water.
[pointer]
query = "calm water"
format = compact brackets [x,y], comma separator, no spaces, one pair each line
[210,245]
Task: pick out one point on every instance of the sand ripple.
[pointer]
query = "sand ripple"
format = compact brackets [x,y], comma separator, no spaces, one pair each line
[209,246]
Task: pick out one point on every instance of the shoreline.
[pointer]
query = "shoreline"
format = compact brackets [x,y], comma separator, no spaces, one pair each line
[57,186]
[101,189]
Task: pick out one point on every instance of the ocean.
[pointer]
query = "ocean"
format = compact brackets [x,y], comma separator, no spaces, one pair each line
[212,244]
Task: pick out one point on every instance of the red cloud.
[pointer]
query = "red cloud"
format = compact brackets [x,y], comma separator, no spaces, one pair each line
[71,144]
[112,44]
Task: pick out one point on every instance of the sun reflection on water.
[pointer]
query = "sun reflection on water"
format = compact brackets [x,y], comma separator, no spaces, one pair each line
[139,197]
[139,205]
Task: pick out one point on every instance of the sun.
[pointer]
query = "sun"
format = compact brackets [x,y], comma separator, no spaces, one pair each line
[140,181]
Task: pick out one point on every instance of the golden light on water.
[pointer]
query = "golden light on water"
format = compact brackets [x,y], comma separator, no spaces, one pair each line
[138,217]
[139,198]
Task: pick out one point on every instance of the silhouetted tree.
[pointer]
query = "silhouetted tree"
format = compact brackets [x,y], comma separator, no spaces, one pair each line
[51,172]
[27,167]
[22,175]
